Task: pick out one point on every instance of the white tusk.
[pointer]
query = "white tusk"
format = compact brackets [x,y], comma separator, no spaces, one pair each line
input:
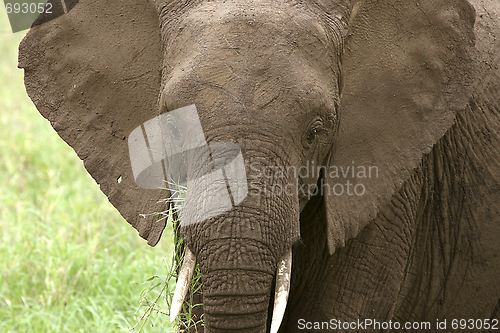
[182,286]
[282,290]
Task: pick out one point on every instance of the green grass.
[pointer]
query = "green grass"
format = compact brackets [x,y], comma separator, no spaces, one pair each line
[68,260]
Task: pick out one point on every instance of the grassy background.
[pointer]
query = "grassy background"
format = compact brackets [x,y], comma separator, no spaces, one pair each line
[68,260]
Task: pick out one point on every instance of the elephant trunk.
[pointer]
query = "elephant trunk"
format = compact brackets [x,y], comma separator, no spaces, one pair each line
[240,249]
[248,314]
[237,283]
[239,260]
[283,275]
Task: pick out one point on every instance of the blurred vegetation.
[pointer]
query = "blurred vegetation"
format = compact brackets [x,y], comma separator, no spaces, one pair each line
[68,261]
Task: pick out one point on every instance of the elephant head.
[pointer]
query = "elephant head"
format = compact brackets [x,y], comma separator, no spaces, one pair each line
[351,93]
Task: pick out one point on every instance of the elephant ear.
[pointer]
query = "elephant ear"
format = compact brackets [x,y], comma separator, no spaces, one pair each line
[406,68]
[94,73]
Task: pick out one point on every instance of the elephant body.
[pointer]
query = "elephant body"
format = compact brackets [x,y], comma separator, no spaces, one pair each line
[431,254]
[408,90]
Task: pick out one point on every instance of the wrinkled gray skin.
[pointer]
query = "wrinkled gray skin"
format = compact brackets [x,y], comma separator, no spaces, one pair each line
[411,88]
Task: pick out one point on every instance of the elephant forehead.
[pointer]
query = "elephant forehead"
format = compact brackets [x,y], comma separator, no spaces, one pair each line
[253,55]
[282,85]
[225,43]
[245,23]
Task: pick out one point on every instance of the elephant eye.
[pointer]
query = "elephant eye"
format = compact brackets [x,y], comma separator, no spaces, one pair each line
[314,129]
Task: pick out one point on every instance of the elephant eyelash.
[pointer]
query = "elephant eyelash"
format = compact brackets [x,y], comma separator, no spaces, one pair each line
[314,129]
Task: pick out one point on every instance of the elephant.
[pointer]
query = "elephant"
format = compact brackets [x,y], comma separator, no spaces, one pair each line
[369,133]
